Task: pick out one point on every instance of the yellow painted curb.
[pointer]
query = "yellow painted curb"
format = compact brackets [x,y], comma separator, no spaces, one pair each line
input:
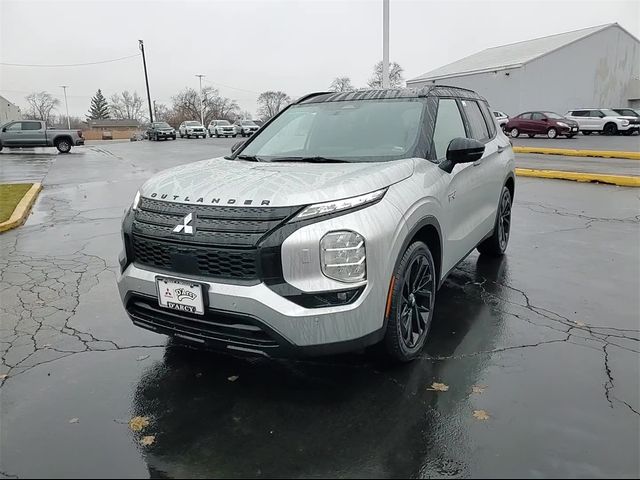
[23,208]
[579,153]
[621,180]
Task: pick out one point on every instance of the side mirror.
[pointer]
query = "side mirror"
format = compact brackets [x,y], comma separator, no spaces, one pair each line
[462,150]
[236,146]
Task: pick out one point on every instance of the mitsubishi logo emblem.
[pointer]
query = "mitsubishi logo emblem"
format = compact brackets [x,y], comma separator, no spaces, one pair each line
[185,226]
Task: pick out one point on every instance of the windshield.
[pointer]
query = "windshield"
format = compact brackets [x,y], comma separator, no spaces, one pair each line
[609,113]
[192,124]
[248,122]
[353,131]
[223,122]
[554,115]
[161,125]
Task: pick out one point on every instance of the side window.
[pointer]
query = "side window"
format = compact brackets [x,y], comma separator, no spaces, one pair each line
[537,116]
[580,113]
[478,126]
[596,113]
[14,127]
[488,118]
[31,126]
[449,125]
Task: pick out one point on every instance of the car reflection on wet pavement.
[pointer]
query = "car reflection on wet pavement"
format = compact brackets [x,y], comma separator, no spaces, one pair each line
[545,341]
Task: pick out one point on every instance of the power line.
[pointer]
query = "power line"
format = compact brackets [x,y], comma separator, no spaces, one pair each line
[68,64]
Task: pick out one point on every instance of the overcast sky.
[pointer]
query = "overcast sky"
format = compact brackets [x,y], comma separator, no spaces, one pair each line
[246,47]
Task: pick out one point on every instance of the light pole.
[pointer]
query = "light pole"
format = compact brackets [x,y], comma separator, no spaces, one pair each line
[201,105]
[64,89]
[385,43]
[146,79]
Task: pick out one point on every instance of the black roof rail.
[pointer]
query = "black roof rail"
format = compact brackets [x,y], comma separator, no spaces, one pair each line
[310,95]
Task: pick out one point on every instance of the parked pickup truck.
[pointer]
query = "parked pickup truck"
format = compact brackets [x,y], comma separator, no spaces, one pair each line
[34,133]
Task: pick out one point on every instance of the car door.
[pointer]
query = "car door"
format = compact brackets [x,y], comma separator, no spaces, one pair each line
[524,122]
[34,133]
[459,205]
[12,134]
[538,123]
[597,119]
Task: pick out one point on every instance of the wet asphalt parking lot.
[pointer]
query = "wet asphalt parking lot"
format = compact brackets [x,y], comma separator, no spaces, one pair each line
[545,341]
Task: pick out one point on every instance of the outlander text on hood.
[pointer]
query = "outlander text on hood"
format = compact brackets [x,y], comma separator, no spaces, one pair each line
[330,229]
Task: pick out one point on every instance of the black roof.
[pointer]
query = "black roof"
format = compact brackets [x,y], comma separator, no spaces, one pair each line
[389,93]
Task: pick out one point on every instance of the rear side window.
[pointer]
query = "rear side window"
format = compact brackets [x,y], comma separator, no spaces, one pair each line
[479,129]
[488,118]
[30,125]
[449,125]
[579,113]
[596,113]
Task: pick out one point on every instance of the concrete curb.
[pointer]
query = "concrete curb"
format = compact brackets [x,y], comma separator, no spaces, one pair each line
[578,153]
[23,208]
[620,180]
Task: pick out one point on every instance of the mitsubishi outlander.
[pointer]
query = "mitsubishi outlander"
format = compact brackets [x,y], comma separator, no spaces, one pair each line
[329,230]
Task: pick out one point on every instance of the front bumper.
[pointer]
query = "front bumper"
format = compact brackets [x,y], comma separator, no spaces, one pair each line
[195,132]
[79,142]
[254,319]
[571,130]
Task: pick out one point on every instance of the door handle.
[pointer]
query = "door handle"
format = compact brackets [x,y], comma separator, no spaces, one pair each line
[501,148]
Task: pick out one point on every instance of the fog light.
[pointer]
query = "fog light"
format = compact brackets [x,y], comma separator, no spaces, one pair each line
[343,256]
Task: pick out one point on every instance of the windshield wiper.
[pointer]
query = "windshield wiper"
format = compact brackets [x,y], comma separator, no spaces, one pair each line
[308,160]
[249,158]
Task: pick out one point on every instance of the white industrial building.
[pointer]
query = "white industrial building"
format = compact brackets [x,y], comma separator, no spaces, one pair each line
[8,111]
[592,67]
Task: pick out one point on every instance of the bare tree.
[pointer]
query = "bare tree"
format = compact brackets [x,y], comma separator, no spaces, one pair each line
[341,84]
[127,106]
[41,105]
[245,115]
[396,80]
[270,103]
[60,121]
[186,106]
[161,112]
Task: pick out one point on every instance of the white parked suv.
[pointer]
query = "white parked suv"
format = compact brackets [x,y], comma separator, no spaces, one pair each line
[330,230]
[191,128]
[221,128]
[603,120]
[501,117]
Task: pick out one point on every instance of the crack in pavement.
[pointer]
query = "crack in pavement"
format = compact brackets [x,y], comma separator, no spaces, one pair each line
[545,209]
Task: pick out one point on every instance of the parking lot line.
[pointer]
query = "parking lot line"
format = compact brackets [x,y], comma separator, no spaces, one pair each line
[578,153]
[620,180]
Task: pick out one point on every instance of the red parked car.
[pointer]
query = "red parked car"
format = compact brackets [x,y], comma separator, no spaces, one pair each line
[541,123]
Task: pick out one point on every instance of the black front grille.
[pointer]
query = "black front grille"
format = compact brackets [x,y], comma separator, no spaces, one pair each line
[223,245]
[214,327]
[208,262]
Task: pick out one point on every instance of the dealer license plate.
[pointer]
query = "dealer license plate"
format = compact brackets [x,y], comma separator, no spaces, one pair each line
[181,295]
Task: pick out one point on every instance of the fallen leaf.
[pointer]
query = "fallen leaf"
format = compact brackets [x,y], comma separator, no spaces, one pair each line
[438,387]
[198,375]
[142,357]
[4,376]
[581,324]
[233,378]
[148,440]
[137,424]
[478,388]
[481,415]
[74,420]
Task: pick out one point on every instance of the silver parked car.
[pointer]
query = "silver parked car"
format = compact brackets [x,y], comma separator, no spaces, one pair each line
[246,127]
[330,230]
[35,133]
[221,128]
[192,128]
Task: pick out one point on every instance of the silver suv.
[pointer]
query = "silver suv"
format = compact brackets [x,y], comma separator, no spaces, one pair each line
[330,230]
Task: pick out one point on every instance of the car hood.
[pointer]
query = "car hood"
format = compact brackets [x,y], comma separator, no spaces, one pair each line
[242,183]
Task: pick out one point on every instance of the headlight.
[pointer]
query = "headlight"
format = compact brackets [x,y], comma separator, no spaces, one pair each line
[338,205]
[563,125]
[625,123]
[136,201]
[343,256]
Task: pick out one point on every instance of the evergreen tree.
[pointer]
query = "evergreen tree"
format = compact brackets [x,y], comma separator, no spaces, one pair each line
[99,109]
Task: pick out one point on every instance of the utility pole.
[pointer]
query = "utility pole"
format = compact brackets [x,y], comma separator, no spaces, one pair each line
[385,43]
[201,104]
[64,89]
[155,110]
[146,78]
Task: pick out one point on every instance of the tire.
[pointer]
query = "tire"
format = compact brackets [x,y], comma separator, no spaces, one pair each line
[63,145]
[610,129]
[497,243]
[235,136]
[173,137]
[627,133]
[0,147]
[412,300]
[571,135]
[514,132]
[531,135]
[586,132]
[552,133]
